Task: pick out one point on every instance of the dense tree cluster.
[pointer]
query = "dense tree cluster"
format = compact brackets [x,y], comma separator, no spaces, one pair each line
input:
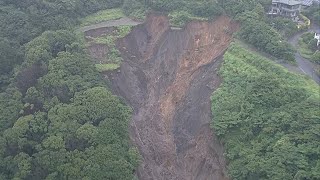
[10,55]
[285,26]
[21,21]
[180,11]
[202,8]
[313,13]
[85,139]
[255,27]
[58,120]
[264,37]
[268,119]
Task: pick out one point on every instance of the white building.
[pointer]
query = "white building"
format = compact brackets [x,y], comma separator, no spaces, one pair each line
[317,36]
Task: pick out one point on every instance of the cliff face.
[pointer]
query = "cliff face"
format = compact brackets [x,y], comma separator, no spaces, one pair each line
[167,77]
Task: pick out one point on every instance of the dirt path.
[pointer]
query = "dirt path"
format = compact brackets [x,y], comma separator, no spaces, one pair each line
[112,23]
[304,65]
[167,77]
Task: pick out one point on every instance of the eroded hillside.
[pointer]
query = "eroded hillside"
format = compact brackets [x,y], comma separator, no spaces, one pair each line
[167,76]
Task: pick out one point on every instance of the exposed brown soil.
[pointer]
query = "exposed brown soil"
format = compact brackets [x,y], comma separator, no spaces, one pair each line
[167,77]
[98,51]
[94,33]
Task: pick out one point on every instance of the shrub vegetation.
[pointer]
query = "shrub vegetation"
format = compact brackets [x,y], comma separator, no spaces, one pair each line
[268,119]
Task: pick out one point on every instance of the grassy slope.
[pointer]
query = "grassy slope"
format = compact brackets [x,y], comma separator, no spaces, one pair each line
[267,117]
[106,67]
[103,15]
[304,50]
[180,18]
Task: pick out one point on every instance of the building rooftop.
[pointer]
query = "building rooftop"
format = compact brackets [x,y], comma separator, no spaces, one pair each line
[309,2]
[296,2]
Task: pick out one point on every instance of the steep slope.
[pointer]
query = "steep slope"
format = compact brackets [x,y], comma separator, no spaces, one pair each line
[267,117]
[167,77]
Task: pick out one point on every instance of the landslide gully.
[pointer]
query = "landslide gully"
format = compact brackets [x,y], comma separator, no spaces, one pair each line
[167,76]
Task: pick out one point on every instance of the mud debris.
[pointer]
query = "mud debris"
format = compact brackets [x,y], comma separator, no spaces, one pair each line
[167,76]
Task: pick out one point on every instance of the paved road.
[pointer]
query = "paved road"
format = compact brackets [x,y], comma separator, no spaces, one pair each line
[304,65]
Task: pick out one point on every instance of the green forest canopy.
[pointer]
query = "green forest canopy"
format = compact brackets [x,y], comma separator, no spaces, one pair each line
[58,120]
[268,119]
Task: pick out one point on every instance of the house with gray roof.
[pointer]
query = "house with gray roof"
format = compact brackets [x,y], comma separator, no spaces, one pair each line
[288,8]
[308,3]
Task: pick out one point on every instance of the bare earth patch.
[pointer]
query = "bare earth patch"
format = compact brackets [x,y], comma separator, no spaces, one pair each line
[167,76]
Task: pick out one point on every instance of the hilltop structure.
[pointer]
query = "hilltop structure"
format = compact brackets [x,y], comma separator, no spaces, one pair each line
[289,8]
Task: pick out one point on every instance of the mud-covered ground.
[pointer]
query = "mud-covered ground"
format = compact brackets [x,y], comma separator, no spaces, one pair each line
[167,76]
